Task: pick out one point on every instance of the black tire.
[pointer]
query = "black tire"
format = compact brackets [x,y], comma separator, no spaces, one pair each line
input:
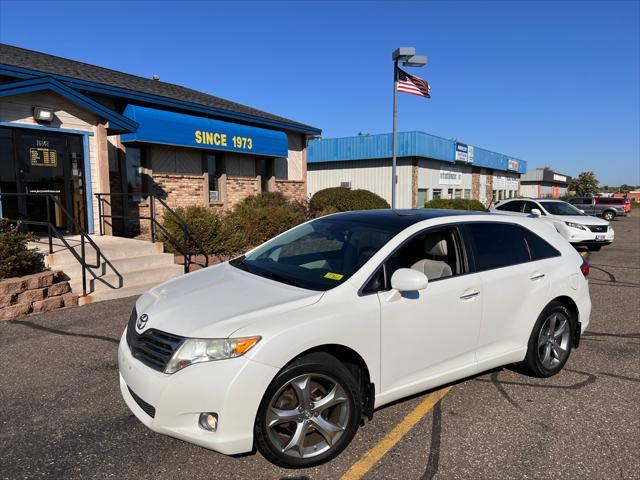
[594,248]
[533,364]
[324,367]
[609,215]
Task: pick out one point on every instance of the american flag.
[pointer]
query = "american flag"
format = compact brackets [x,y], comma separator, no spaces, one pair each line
[412,84]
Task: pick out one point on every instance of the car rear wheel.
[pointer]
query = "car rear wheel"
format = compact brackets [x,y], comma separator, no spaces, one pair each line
[309,413]
[550,342]
[609,215]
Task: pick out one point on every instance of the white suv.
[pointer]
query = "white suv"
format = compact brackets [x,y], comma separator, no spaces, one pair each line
[578,228]
[289,346]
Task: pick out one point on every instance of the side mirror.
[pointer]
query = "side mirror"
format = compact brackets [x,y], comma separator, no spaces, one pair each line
[582,211]
[408,280]
[536,212]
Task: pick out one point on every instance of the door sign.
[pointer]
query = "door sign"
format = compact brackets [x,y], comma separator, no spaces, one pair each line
[43,157]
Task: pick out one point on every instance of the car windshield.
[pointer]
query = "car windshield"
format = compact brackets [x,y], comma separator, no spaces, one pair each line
[561,208]
[318,255]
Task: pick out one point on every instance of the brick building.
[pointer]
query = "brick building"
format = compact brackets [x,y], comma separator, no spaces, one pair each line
[75,130]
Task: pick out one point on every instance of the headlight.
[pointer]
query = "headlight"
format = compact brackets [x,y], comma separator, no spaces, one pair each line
[198,350]
[575,225]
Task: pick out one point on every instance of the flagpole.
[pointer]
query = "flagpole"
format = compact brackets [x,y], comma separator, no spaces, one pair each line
[395,128]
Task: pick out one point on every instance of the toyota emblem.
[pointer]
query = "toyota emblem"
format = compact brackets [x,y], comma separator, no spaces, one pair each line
[142,321]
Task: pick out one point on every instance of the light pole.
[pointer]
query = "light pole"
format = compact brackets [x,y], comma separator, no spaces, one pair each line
[407,56]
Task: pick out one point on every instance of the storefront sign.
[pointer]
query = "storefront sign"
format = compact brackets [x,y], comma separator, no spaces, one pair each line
[513,165]
[450,177]
[43,157]
[559,178]
[171,128]
[464,153]
[499,182]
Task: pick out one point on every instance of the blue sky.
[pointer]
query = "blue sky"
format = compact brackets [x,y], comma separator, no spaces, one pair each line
[553,83]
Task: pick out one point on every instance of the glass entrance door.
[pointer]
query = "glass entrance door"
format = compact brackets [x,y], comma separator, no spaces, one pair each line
[48,163]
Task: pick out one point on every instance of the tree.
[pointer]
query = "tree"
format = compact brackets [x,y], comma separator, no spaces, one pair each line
[585,184]
[624,188]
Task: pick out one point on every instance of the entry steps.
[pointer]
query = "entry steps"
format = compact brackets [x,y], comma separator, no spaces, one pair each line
[142,265]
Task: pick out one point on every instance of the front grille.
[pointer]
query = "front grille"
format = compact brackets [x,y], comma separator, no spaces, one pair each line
[148,408]
[598,228]
[152,347]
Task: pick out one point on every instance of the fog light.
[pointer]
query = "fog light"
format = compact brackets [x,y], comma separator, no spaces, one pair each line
[208,421]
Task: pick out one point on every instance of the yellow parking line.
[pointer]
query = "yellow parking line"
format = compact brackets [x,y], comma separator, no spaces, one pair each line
[369,459]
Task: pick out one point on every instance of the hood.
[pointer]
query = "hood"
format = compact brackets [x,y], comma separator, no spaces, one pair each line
[582,220]
[216,301]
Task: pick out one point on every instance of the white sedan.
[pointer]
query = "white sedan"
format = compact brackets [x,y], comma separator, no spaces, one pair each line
[578,228]
[290,346]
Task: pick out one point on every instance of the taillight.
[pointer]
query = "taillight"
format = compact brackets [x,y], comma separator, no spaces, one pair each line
[584,268]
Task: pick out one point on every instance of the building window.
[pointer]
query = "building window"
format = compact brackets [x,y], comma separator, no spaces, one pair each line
[423,197]
[213,171]
[450,193]
[467,193]
[458,193]
[134,173]
[437,193]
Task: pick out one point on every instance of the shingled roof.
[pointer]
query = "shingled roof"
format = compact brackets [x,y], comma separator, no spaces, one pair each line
[42,62]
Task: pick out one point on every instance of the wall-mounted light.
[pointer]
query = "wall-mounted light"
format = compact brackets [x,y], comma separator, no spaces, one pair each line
[42,114]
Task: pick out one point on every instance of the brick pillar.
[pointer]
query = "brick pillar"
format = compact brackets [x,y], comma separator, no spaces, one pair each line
[489,188]
[414,183]
[475,183]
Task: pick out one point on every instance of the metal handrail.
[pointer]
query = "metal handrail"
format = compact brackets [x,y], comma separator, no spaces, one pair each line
[190,236]
[84,237]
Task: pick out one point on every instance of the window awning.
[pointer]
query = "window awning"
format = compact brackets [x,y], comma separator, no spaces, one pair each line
[171,128]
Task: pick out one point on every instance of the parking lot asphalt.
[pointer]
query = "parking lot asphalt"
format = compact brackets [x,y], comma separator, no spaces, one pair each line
[62,415]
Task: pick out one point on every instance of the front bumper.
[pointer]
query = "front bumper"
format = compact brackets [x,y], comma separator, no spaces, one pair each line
[231,388]
[585,238]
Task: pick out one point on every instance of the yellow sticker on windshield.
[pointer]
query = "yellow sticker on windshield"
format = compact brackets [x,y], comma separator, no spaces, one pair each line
[333,276]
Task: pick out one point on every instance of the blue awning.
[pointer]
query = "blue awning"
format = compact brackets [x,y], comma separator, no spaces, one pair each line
[171,128]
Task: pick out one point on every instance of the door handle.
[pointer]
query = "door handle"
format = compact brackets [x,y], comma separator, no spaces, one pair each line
[468,295]
[536,276]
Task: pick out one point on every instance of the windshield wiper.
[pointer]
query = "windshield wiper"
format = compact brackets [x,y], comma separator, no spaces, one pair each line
[280,278]
[240,263]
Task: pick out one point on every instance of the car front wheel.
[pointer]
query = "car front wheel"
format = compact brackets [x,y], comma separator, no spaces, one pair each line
[550,342]
[309,413]
[608,216]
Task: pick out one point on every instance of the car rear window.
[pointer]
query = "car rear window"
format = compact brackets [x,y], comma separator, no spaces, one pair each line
[610,201]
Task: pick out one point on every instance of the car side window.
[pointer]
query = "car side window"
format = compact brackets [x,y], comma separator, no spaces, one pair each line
[436,253]
[515,206]
[497,245]
[528,206]
[376,283]
[575,201]
[539,249]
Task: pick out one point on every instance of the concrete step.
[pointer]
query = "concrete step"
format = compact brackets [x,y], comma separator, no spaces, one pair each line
[135,290]
[109,281]
[133,248]
[122,265]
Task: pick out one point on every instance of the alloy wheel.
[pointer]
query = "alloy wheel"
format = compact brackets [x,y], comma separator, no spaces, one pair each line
[308,415]
[553,341]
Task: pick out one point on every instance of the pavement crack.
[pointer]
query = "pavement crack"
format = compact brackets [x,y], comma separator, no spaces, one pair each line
[434,450]
[35,326]
[621,377]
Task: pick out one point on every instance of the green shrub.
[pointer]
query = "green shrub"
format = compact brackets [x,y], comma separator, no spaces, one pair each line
[204,222]
[339,199]
[251,222]
[456,204]
[15,258]
[257,219]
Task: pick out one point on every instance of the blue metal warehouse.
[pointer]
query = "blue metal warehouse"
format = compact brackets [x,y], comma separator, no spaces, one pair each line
[429,167]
